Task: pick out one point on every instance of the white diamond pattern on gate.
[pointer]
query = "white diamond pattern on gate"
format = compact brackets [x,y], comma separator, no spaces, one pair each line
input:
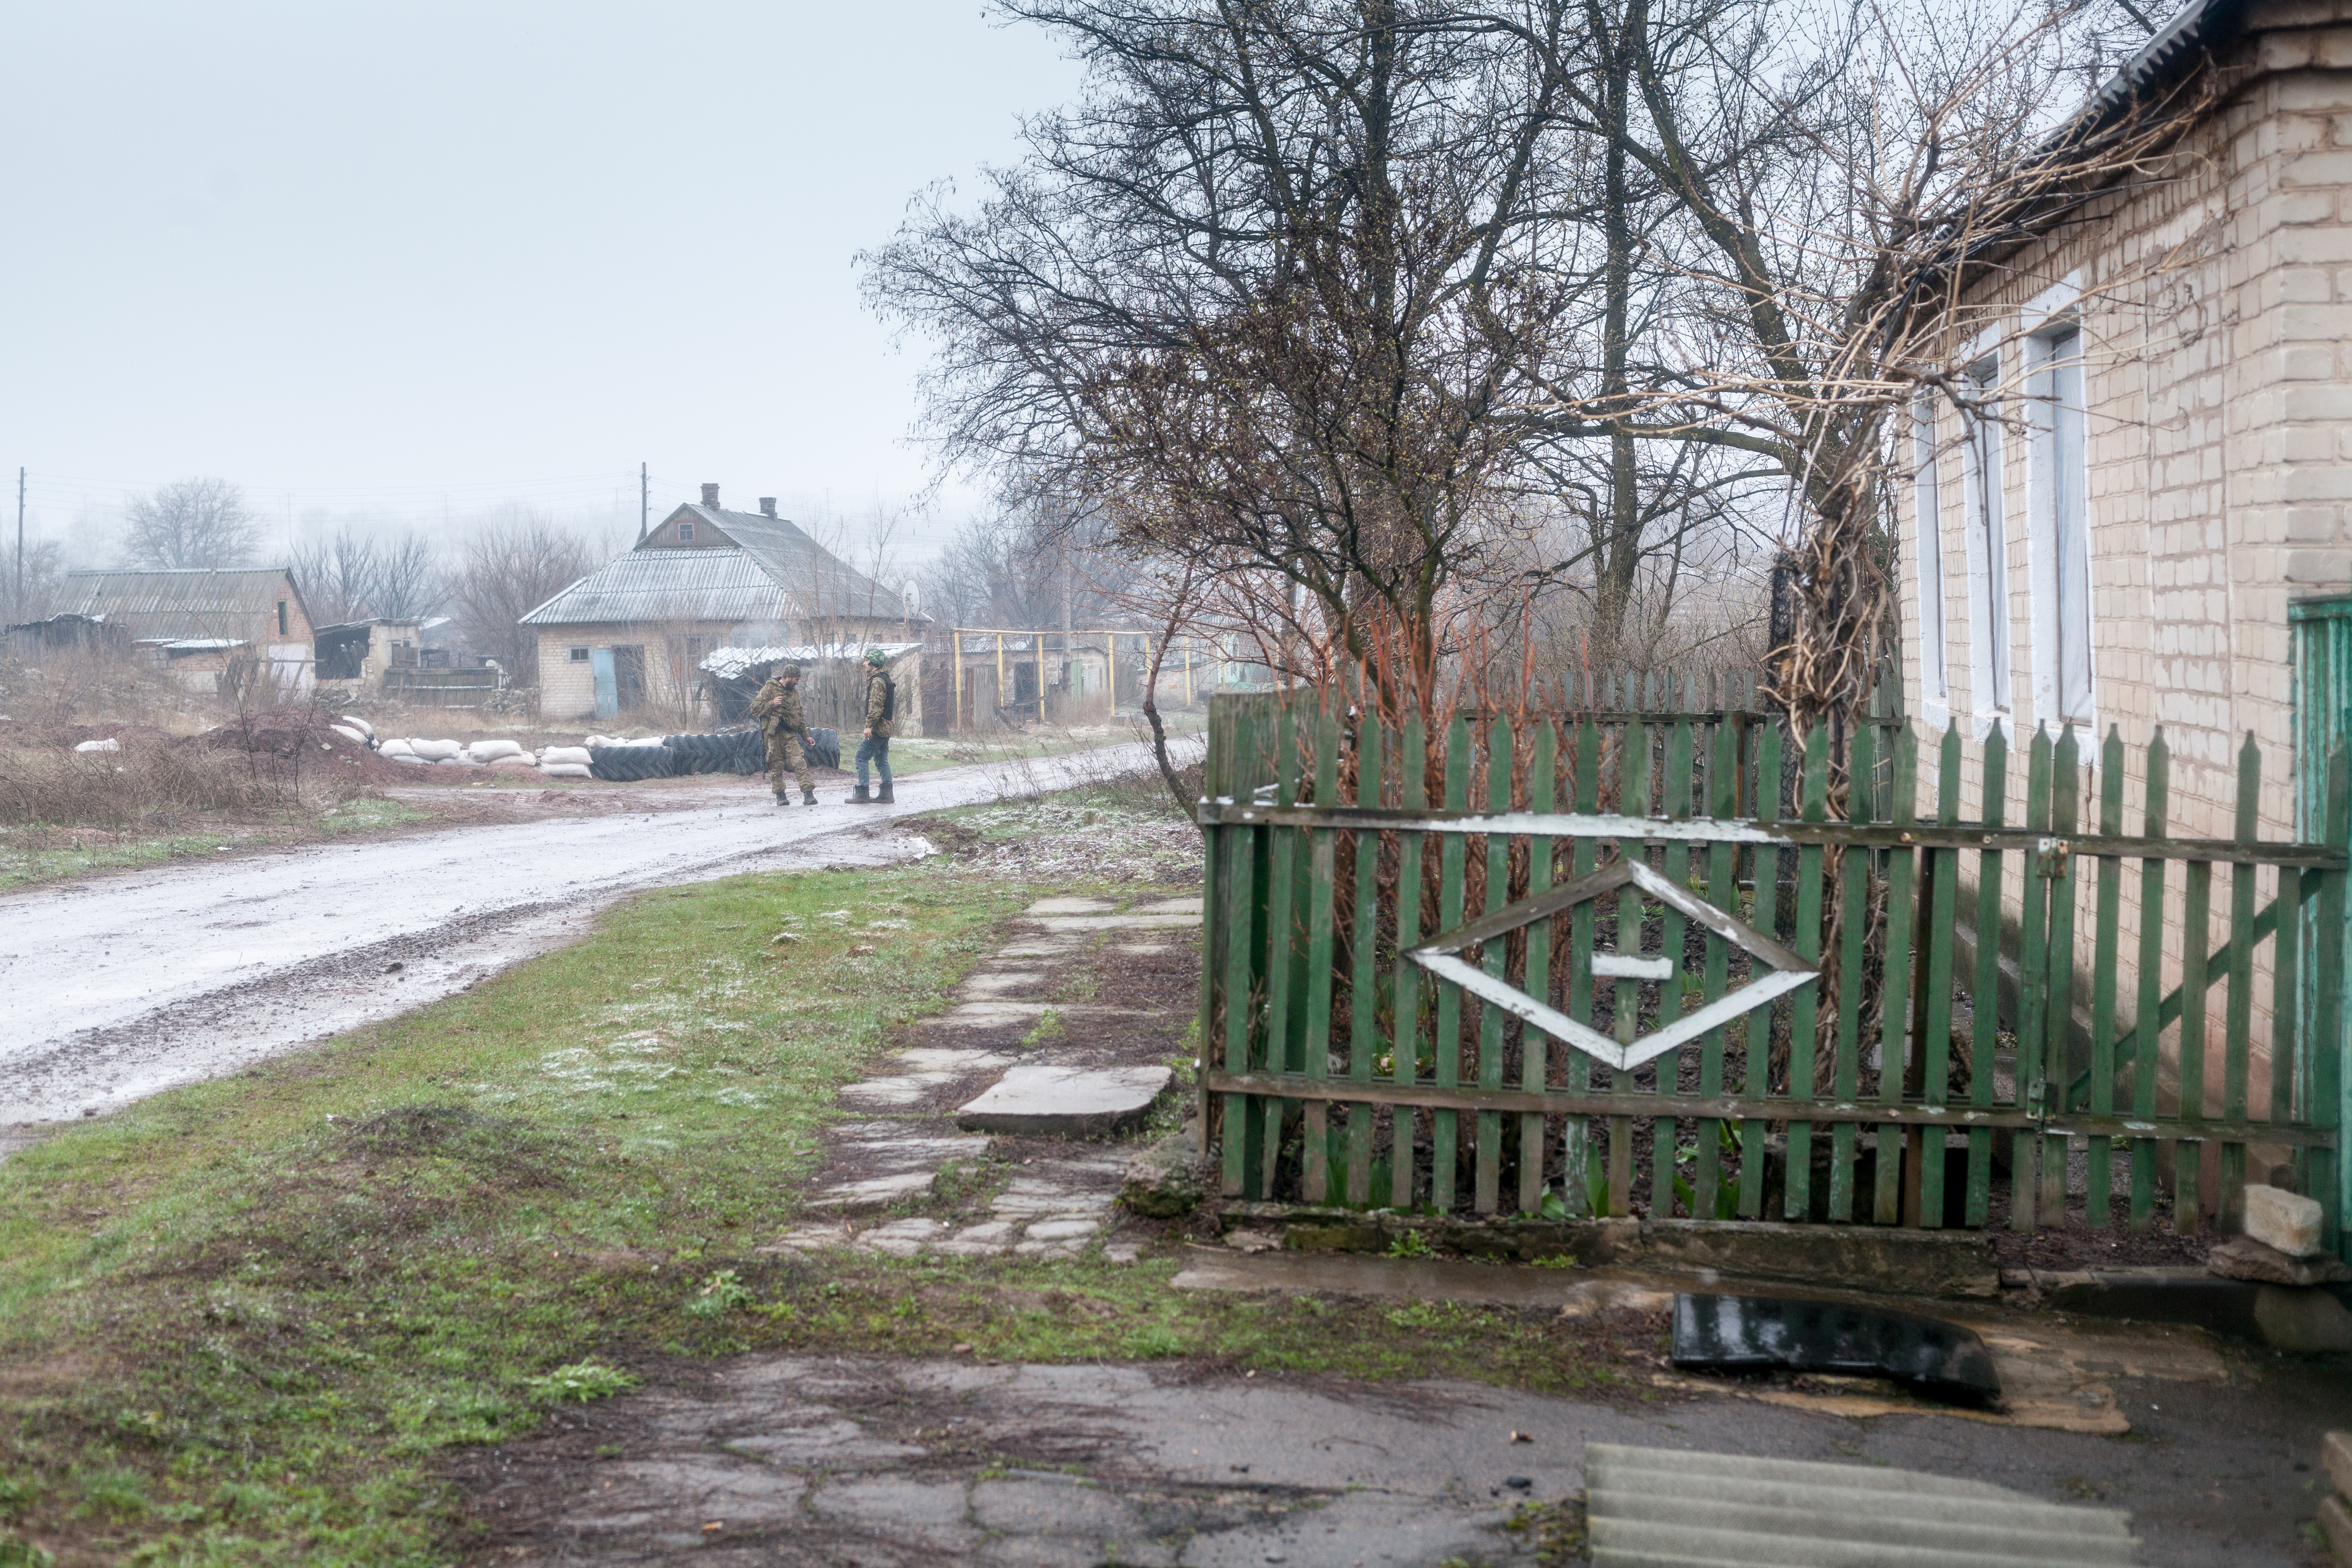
[1784,971]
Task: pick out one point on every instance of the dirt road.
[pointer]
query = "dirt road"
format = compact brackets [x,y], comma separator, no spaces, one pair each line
[120,986]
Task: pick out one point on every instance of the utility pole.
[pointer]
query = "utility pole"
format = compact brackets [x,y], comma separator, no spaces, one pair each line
[644,502]
[20,543]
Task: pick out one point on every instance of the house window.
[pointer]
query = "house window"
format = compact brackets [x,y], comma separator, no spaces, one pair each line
[1927,550]
[579,655]
[685,531]
[2058,552]
[281,617]
[693,649]
[1988,552]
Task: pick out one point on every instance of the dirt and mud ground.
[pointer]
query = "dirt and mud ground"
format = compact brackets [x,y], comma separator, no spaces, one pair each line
[124,985]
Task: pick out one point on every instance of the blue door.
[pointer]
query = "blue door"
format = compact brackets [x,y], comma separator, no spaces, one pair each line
[608,690]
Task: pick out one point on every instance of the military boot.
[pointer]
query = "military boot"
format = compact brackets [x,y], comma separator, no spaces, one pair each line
[808,797]
[859,796]
[782,799]
[886,798]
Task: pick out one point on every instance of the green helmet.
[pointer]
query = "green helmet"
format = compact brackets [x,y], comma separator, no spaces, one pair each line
[876,658]
[789,672]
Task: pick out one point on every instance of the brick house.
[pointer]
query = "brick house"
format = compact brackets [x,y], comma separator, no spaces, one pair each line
[634,633]
[205,628]
[2156,529]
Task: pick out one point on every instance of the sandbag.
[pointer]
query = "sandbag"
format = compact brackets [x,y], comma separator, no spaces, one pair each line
[108,744]
[348,733]
[408,757]
[491,750]
[366,730]
[566,770]
[457,761]
[397,747]
[435,750]
[563,754]
[628,765]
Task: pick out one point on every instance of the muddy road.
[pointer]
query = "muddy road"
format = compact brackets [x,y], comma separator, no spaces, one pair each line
[119,986]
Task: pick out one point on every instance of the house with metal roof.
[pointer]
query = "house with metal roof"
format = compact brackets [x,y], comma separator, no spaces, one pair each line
[636,632]
[208,628]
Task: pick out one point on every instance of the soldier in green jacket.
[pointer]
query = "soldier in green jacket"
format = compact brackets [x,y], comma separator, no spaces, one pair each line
[778,709]
[881,709]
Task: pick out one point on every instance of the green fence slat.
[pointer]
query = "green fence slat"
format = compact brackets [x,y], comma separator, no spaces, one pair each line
[1804,1013]
[2188,1160]
[2287,954]
[1279,915]
[1634,793]
[2148,1008]
[2058,1001]
[2033,989]
[1581,1166]
[1853,954]
[1766,917]
[1895,987]
[1935,1042]
[1241,1129]
[1364,988]
[1985,990]
[1722,892]
[2238,1009]
[1486,1184]
[1665,1131]
[2326,1173]
[2099,1179]
[1412,764]
[1543,765]
[1315,1142]
[1445,1125]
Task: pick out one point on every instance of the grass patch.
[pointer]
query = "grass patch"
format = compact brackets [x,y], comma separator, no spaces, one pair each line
[242,1319]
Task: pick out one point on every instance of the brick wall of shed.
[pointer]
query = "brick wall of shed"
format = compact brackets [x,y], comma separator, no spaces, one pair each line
[2217,321]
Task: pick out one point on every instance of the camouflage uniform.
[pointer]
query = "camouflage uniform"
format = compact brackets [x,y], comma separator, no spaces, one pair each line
[875,747]
[778,709]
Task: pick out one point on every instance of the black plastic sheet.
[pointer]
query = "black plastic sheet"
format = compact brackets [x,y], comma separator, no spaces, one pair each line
[1756,1334]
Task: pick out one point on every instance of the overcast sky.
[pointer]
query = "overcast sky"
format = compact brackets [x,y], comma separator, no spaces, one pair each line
[392,260]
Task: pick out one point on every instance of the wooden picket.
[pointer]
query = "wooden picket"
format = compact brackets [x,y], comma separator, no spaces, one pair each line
[1348,1061]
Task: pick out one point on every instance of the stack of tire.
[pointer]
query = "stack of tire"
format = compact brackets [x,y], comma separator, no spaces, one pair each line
[728,752]
[628,765]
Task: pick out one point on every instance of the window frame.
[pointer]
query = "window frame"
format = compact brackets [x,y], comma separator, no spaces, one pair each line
[2058,527]
[576,656]
[1992,675]
[686,531]
[1934,638]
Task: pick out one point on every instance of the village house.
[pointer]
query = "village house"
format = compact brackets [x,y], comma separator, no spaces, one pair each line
[2153,528]
[636,632]
[207,630]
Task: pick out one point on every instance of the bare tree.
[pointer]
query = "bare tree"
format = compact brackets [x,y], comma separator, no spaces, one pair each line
[189,523]
[33,588]
[510,567]
[1265,301]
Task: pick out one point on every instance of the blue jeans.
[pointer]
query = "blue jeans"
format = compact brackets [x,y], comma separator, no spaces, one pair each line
[877,747]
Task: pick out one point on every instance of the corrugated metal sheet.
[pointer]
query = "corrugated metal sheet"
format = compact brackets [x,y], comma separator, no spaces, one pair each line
[172,605]
[649,586]
[1652,1507]
[729,663]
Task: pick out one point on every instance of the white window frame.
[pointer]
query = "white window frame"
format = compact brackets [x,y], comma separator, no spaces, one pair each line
[2058,518]
[1928,556]
[1984,526]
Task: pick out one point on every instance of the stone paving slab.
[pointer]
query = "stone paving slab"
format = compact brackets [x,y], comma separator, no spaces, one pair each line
[1049,1100]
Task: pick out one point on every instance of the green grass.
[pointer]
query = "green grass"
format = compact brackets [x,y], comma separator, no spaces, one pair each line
[246,1322]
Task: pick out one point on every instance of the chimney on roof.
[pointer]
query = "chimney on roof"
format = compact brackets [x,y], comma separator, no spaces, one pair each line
[767,505]
[710,496]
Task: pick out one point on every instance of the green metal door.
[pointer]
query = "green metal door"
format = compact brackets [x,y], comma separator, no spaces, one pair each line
[2323,719]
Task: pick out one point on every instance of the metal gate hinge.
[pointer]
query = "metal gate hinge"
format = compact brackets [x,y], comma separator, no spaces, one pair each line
[2055,854]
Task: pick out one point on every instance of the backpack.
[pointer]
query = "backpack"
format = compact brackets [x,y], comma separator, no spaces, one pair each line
[889,698]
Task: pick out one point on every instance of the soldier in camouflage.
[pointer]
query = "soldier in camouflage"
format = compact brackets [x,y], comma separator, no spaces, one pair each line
[778,709]
[881,715]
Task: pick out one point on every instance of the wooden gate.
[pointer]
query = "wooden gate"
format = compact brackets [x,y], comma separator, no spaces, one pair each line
[1627,963]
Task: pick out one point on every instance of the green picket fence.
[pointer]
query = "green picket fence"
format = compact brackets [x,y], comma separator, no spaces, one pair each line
[1608,963]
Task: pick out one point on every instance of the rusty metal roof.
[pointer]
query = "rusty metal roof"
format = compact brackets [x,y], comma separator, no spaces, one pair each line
[669,585]
[195,603]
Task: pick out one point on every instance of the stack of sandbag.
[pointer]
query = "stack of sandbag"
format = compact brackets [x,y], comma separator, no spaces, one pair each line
[397,749]
[565,761]
[357,731]
[629,764]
